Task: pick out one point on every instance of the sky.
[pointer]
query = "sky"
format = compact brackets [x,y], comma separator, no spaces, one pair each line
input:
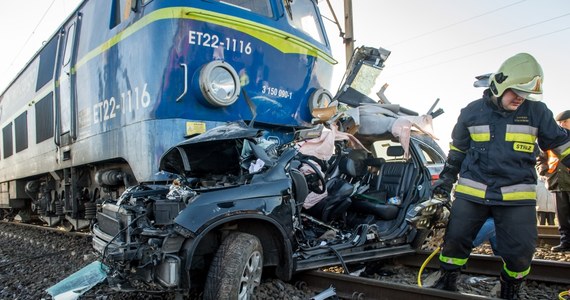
[437,46]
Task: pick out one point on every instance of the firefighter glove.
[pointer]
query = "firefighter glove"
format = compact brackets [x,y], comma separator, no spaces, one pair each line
[442,187]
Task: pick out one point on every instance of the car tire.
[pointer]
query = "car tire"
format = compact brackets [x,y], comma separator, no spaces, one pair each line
[236,268]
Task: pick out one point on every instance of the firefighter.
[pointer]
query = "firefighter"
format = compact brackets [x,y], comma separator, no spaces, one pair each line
[491,159]
[558,181]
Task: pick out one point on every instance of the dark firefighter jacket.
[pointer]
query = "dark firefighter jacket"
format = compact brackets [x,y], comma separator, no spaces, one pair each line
[495,150]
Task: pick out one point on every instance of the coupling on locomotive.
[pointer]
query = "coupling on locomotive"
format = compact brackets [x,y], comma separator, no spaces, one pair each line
[201,138]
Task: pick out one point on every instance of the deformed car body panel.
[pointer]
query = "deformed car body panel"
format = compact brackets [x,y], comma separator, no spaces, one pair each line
[261,198]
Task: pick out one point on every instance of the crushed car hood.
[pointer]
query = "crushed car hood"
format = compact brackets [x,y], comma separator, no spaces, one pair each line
[210,152]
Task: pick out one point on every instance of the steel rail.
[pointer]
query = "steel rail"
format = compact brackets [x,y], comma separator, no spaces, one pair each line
[548,229]
[359,288]
[59,230]
[541,270]
[548,235]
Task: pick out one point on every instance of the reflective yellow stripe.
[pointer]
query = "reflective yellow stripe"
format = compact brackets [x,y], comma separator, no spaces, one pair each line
[516,275]
[521,133]
[562,151]
[519,196]
[481,137]
[481,133]
[565,153]
[452,260]
[519,192]
[471,187]
[281,40]
[520,137]
[451,147]
[470,191]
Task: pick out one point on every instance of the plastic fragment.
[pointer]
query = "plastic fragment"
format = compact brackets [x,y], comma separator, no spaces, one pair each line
[325,294]
[79,282]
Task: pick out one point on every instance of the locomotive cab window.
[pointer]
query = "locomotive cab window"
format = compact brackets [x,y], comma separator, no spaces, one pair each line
[303,15]
[121,11]
[68,45]
[262,7]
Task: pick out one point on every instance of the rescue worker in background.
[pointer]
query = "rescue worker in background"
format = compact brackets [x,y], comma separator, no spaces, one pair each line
[545,203]
[558,181]
[493,151]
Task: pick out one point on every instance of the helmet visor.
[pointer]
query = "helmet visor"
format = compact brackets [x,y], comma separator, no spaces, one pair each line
[531,90]
[527,95]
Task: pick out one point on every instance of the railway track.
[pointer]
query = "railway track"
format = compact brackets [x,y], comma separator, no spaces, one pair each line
[347,287]
[358,288]
[59,229]
[543,272]
[548,235]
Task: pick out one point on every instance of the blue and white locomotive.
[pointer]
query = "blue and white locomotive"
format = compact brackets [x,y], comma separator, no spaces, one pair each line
[121,81]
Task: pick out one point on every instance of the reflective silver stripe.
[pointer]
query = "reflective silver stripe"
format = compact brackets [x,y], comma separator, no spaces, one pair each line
[562,151]
[471,187]
[472,183]
[521,133]
[481,133]
[519,192]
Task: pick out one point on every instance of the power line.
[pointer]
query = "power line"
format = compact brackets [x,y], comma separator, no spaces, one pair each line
[454,24]
[31,34]
[480,40]
[481,52]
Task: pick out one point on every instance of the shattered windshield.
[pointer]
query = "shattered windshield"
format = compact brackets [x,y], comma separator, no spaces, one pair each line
[303,15]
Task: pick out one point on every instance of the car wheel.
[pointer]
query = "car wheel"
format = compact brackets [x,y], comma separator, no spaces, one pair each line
[236,269]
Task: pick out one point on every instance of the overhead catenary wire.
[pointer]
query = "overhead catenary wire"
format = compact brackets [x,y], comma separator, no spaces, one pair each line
[435,64]
[31,34]
[482,39]
[454,24]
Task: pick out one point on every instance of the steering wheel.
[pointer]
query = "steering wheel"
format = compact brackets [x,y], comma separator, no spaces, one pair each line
[315,181]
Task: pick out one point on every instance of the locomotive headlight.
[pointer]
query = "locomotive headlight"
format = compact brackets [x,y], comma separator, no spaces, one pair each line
[219,83]
[321,105]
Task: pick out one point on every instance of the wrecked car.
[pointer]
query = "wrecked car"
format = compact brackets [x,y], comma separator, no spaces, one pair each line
[241,207]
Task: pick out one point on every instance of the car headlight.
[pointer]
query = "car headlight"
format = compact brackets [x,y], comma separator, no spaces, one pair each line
[219,83]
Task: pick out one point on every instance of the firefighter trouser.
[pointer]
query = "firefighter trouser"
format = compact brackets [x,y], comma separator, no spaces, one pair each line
[563,215]
[515,228]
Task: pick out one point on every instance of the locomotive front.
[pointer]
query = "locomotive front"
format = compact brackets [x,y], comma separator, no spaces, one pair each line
[244,61]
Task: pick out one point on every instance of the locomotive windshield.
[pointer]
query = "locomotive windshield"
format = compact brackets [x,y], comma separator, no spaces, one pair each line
[304,16]
[262,7]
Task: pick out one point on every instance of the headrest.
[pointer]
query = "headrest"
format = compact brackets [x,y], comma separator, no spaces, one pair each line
[352,167]
[395,151]
[375,161]
[353,163]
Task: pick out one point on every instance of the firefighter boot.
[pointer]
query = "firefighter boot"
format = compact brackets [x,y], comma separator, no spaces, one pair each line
[447,280]
[510,288]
